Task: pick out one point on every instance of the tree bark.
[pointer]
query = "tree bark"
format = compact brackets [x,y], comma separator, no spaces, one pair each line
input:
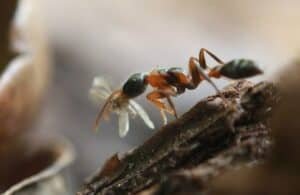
[215,135]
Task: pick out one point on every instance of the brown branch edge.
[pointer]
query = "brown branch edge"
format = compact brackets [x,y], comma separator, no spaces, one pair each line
[211,137]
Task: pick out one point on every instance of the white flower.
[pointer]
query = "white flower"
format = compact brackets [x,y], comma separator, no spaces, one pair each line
[117,102]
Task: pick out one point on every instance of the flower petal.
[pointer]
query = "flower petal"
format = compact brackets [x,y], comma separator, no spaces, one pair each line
[164,117]
[100,82]
[143,114]
[131,110]
[100,90]
[123,123]
[98,96]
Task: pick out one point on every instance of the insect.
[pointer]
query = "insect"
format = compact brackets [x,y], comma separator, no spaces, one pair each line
[166,83]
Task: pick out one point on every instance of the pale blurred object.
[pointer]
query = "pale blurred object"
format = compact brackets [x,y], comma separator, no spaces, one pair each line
[24,80]
[23,83]
[48,167]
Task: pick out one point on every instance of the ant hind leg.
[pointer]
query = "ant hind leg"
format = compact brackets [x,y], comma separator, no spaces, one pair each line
[198,74]
[202,60]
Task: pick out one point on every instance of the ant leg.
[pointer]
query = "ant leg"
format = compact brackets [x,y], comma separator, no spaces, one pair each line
[155,97]
[202,60]
[168,95]
[194,71]
[168,92]
[197,72]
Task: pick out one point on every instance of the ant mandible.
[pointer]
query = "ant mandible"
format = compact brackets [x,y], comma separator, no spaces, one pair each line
[172,82]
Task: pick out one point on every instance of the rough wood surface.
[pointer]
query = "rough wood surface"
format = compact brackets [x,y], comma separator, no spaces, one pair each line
[213,136]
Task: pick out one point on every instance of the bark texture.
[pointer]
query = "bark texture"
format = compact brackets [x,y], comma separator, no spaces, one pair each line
[183,156]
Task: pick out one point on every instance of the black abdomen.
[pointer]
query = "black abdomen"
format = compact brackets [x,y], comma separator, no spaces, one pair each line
[239,69]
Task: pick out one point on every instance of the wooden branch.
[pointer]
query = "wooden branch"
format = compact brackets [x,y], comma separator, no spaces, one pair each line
[252,145]
[212,129]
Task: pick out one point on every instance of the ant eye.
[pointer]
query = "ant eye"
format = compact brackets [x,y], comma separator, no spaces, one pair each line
[240,68]
[135,85]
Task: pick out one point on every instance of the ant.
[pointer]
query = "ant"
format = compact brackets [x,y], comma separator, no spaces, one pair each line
[172,82]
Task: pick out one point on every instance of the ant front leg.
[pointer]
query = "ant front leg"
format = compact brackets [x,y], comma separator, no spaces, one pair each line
[156,96]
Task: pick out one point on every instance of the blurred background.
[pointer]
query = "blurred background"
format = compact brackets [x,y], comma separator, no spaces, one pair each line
[116,38]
